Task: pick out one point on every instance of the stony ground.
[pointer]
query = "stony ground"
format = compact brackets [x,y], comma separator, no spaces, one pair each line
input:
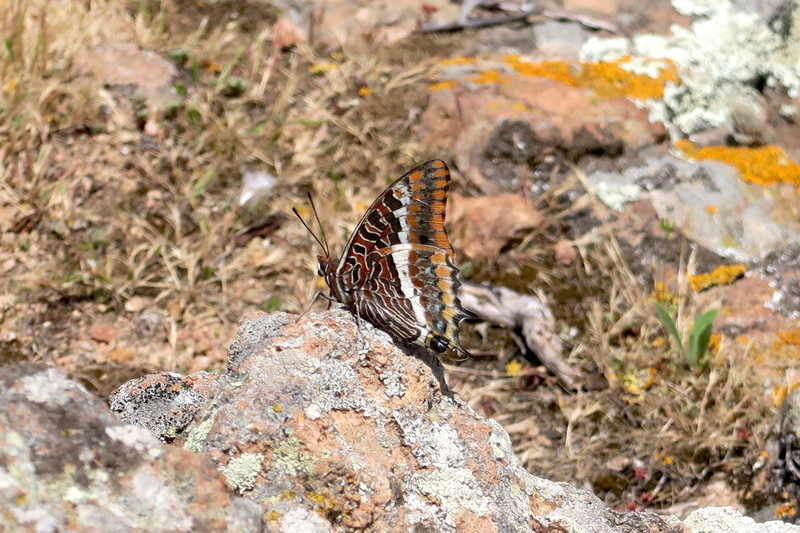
[152,151]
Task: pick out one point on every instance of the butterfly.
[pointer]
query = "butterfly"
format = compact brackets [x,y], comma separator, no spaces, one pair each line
[397,270]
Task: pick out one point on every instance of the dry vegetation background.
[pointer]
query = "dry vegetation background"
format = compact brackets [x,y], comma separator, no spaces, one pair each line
[124,249]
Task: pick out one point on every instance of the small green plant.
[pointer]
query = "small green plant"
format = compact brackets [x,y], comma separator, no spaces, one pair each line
[273,304]
[699,337]
[667,225]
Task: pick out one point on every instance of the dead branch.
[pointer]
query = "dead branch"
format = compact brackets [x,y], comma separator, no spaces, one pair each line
[526,10]
[521,313]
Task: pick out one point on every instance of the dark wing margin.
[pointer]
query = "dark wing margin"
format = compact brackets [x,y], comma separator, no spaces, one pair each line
[410,210]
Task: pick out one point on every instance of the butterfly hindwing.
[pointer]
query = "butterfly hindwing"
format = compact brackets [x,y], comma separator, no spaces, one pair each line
[398,264]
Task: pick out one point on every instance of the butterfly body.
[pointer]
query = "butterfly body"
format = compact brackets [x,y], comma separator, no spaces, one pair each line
[397,269]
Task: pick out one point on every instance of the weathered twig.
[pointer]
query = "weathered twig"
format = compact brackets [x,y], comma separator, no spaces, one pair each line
[525,314]
[525,11]
[464,21]
[584,20]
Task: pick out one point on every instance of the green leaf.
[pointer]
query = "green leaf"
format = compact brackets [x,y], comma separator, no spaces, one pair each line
[179,56]
[180,89]
[195,70]
[203,183]
[669,323]
[700,337]
[310,123]
[12,55]
[222,81]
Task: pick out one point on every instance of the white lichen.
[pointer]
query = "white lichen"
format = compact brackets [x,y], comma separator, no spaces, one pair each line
[718,58]
[616,195]
[136,437]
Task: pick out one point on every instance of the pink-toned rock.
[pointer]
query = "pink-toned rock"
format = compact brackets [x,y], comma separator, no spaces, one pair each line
[381,21]
[127,64]
[337,433]
[495,128]
[486,224]
[607,7]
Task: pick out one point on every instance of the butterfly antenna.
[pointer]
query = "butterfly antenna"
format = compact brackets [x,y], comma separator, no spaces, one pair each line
[324,247]
[321,227]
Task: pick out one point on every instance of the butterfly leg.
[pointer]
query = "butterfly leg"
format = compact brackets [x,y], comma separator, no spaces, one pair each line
[318,294]
[362,342]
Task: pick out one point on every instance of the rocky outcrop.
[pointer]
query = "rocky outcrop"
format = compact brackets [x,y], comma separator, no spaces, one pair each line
[314,426]
[347,432]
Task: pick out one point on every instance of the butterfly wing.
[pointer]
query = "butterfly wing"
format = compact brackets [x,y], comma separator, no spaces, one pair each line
[399,266]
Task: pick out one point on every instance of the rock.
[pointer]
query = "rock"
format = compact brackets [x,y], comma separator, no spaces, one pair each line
[68,464]
[562,40]
[504,116]
[331,429]
[487,224]
[728,519]
[716,89]
[317,423]
[782,269]
[121,64]
[164,403]
[335,22]
[709,203]
[775,487]
[593,6]
[319,427]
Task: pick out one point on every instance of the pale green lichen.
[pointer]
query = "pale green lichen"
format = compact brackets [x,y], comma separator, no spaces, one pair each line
[197,435]
[291,459]
[241,472]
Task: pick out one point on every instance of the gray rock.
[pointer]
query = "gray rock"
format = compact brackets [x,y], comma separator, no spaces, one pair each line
[68,464]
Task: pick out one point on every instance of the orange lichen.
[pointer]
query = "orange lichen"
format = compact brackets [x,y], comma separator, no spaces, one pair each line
[608,79]
[786,510]
[790,337]
[489,76]
[213,67]
[712,209]
[779,395]
[723,275]
[459,61]
[781,392]
[364,91]
[652,374]
[762,165]
[662,294]
[715,341]
[447,85]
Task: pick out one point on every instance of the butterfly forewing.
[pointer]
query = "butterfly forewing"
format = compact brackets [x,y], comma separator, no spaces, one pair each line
[397,269]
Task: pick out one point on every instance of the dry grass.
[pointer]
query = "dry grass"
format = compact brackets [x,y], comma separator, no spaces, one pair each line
[124,250]
[106,199]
